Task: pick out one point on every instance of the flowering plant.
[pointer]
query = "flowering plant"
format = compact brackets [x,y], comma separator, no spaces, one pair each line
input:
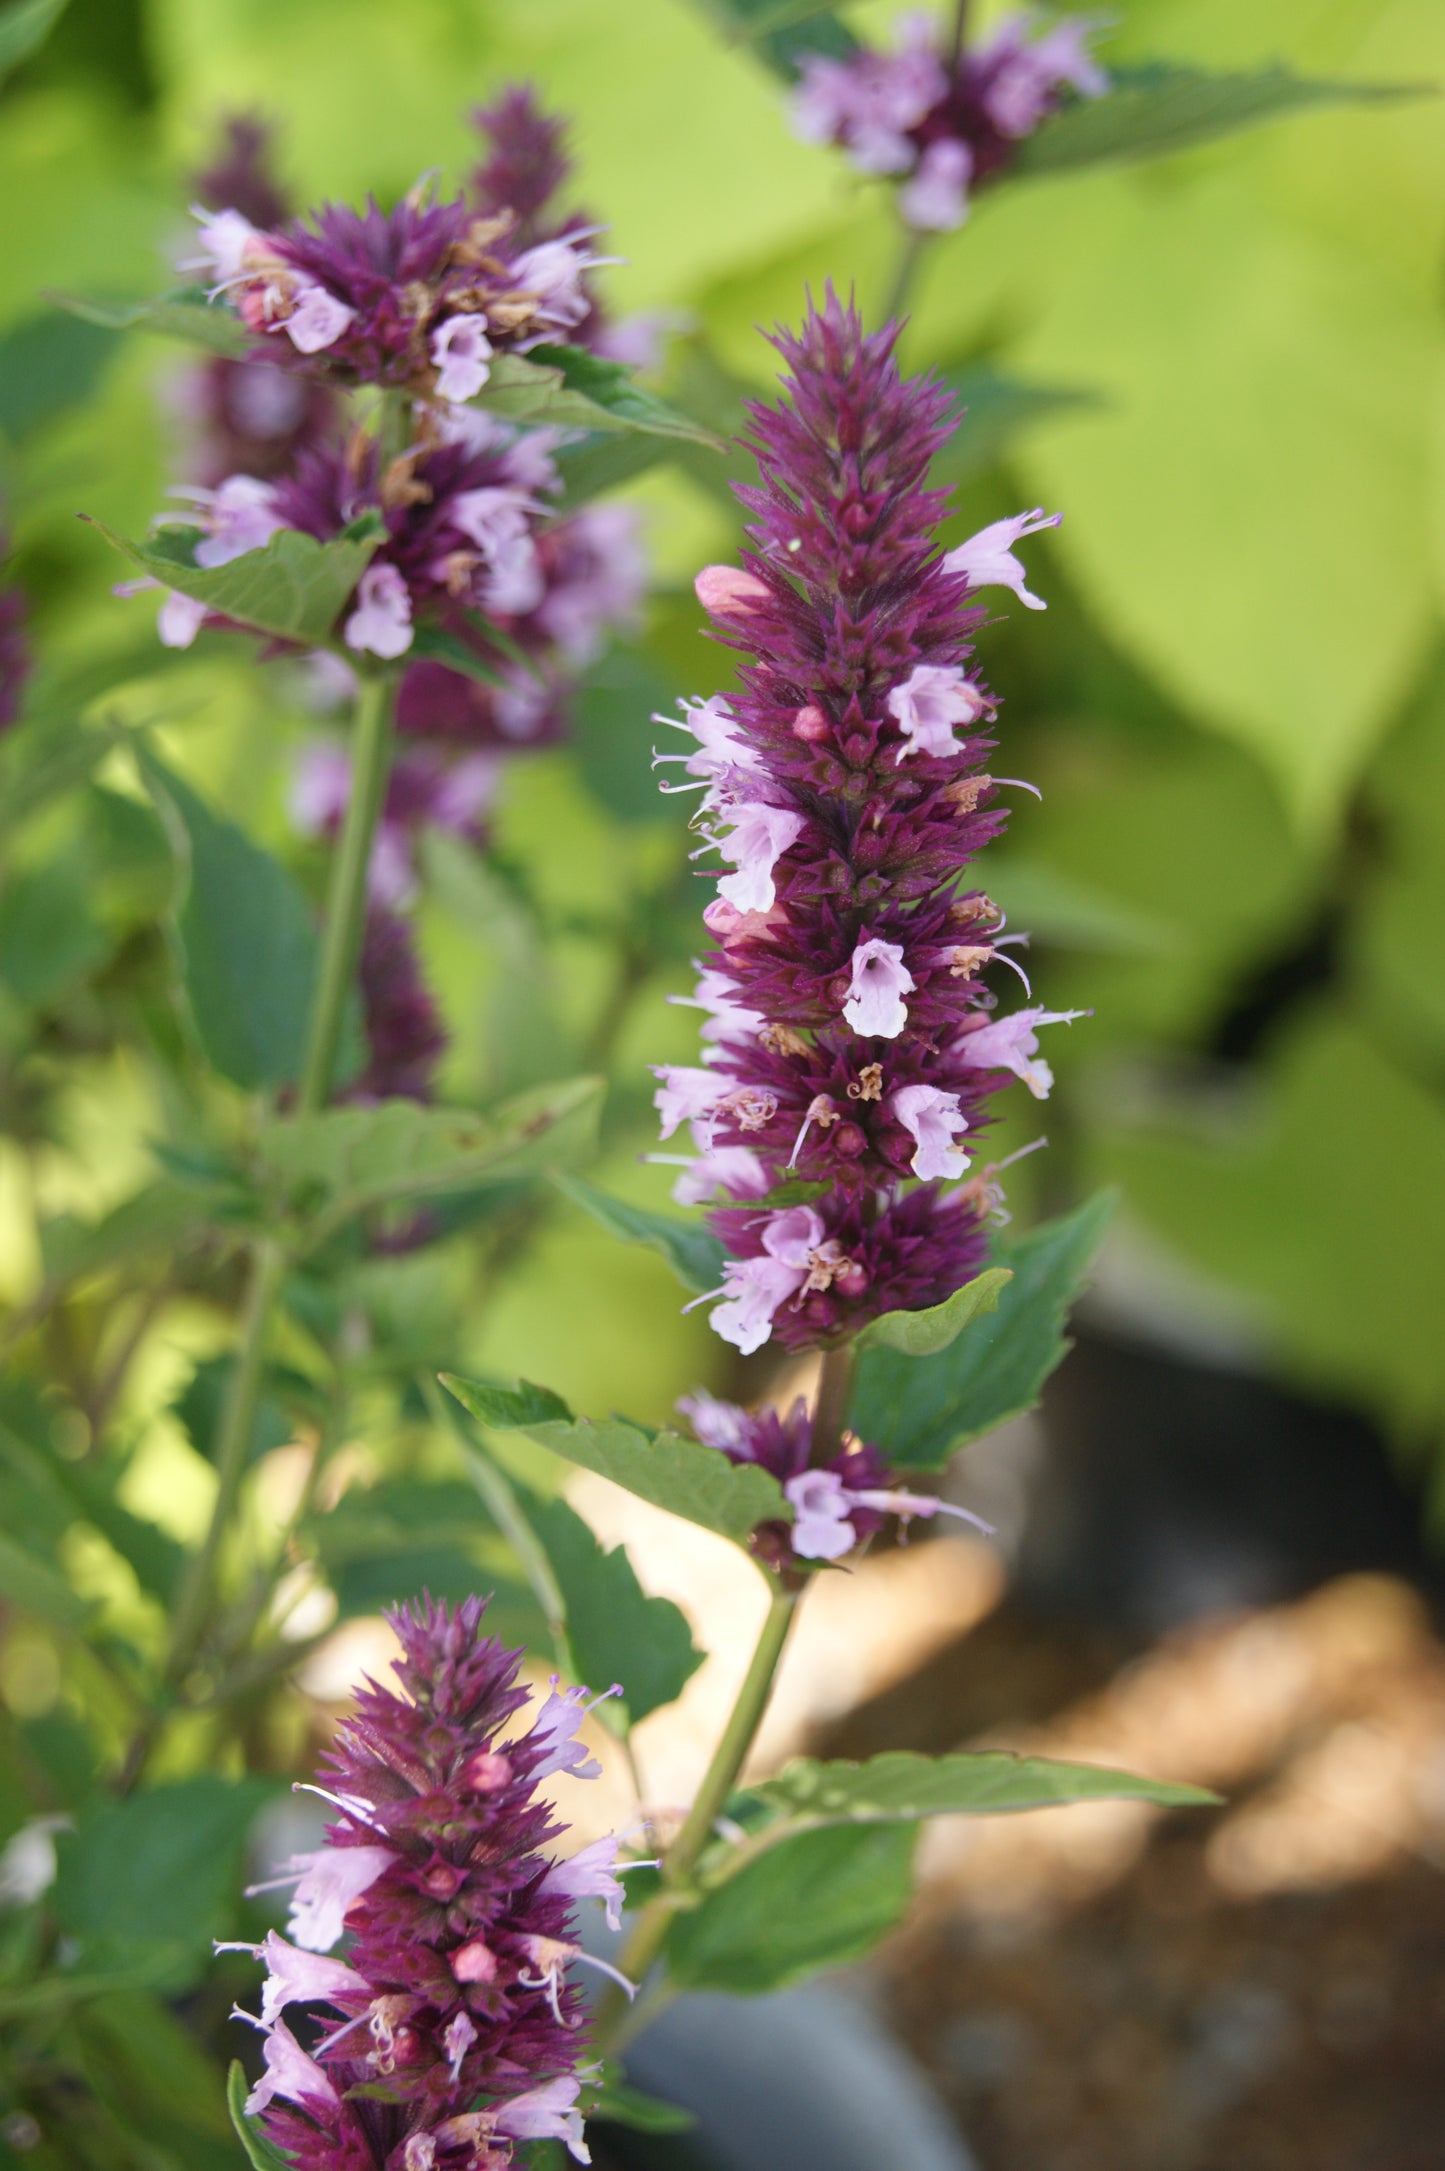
[344,1006]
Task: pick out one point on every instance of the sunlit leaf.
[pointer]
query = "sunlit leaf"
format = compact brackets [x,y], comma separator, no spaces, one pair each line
[187,313]
[616,1633]
[817,1900]
[292,587]
[901,1786]
[924,1334]
[571,388]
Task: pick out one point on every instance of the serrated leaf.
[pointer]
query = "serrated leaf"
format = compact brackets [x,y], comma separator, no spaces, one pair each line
[293,587]
[24,28]
[346,1162]
[903,1785]
[570,388]
[696,1482]
[919,1411]
[1152,111]
[260,2153]
[248,945]
[816,1900]
[614,1630]
[693,1252]
[186,313]
[924,1334]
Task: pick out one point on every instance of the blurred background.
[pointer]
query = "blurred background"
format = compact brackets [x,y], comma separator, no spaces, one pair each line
[1220,1538]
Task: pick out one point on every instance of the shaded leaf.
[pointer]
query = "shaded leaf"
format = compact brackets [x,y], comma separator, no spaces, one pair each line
[696,1482]
[292,587]
[1157,109]
[24,28]
[997,411]
[259,2152]
[603,460]
[36,1587]
[151,1219]
[625,2105]
[434,644]
[50,937]
[782,31]
[902,1785]
[924,1334]
[817,1900]
[692,1251]
[202,1401]
[614,733]
[570,388]
[248,945]
[48,363]
[186,313]
[918,1412]
[614,1630]
[508,1409]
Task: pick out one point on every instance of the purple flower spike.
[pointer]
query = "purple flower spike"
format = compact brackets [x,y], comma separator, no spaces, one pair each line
[850,1041]
[449,2029]
[946,125]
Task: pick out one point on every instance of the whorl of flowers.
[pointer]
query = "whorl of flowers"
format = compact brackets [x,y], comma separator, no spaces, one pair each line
[852,1044]
[449,2028]
[943,123]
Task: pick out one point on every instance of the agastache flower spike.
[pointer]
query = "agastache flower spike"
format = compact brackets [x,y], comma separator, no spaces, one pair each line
[945,124]
[851,1041]
[450,2029]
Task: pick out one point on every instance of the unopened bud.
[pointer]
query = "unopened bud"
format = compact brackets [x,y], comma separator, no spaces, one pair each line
[727,592]
[485,1772]
[474,1962]
[853,1280]
[849,1141]
[443,1880]
[811,725]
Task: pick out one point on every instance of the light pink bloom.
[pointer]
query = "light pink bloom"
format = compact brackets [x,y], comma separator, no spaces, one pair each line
[223,237]
[932,699]
[933,1119]
[547,2114]
[556,1725]
[1021,87]
[553,272]
[1013,1044]
[462,353]
[880,980]
[988,560]
[601,583]
[381,621]
[719,748]
[180,619]
[639,339]
[297,1977]
[716,1423]
[686,1094]
[758,840]
[239,516]
[821,1529]
[753,1290]
[329,1881]
[732,1172]
[728,592]
[869,101]
[498,520]
[934,200]
[317,319]
[587,1875]
[728,1020]
[289,2073]
[457,2039]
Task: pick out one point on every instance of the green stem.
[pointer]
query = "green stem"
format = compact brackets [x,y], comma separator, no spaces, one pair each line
[830,1412]
[909,259]
[960,27]
[650,1935]
[346,900]
[507,1513]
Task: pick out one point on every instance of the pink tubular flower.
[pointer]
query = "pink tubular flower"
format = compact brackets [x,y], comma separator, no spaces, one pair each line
[878,982]
[381,621]
[759,837]
[462,353]
[931,700]
[987,561]
[547,2113]
[1012,1043]
[329,1881]
[934,199]
[934,1120]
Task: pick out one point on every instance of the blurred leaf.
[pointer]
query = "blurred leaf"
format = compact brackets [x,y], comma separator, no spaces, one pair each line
[614,1630]
[925,1334]
[997,410]
[692,1251]
[151,2064]
[1155,110]
[818,1900]
[696,1482]
[200,1405]
[247,942]
[49,937]
[154,1878]
[24,27]
[187,314]
[919,1412]
[151,1219]
[1071,914]
[624,2105]
[35,1587]
[570,388]
[259,2153]
[346,1162]
[615,733]
[902,1785]
[435,643]
[47,363]
[783,31]
[603,460]
[292,587]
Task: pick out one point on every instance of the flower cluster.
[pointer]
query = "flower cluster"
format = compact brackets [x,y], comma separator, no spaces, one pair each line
[852,1043]
[450,2028]
[837,1504]
[945,123]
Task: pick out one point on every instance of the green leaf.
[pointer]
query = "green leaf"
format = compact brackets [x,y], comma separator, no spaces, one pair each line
[782,31]
[614,732]
[902,1786]
[35,1587]
[1157,109]
[604,460]
[570,388]
[696,1482]
[154,1878]
[817,1900]
[293,587]
[202,1401]
[508,1409]
[919,1412]
[614,1630]
[50,938]
[924,1334]
[48,363]
[248,945]
[187,313]
[24,28]
[693,1252]
[346,1162]
[623,2105]
[260,2153]
[151,1219]
[435,645]
[997,410]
